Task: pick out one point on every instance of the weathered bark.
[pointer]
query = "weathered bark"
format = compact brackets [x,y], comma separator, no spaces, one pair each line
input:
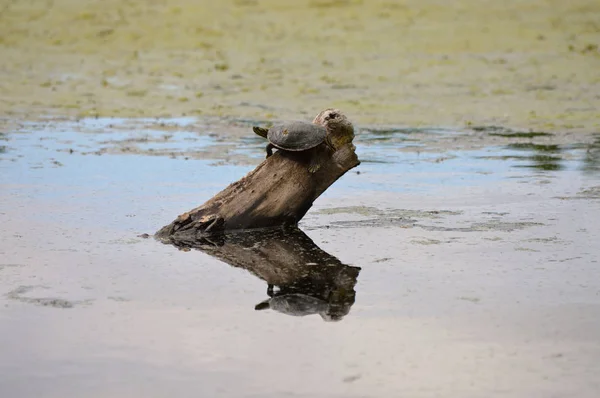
[278,192]
[308,279]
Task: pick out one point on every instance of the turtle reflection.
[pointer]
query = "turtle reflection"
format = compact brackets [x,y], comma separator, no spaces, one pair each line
[327,292]
[301,278]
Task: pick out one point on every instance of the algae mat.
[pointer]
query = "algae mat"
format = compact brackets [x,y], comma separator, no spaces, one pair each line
[533,64]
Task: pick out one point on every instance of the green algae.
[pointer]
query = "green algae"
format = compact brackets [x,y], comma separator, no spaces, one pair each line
[527,65]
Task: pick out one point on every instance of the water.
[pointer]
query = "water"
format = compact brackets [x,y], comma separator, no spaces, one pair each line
[435,268]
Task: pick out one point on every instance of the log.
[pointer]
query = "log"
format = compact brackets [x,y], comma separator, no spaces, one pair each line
[278,192]
[301,278]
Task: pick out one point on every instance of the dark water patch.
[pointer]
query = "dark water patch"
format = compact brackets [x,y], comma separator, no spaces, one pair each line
[540,162]
[427,241]
[541,87]
[386,131]
[382,260]
[375,139]
[490,129]
[493,225]
[503,157]
[535,147]
[531,134]
[18,294]
[374,217]
[591,157]
[404,213]
[543,157]
[548,240]
[402,222]
[3,148]
[369,223]
[587,193]
[590,193]
[499,131]
[546,163]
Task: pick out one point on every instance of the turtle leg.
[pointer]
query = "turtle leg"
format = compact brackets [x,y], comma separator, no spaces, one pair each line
[315,162]
[318,156]
[270,150]
[264,305]
[329,144]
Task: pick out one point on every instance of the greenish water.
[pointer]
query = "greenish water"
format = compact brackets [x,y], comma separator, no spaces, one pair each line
[438,267]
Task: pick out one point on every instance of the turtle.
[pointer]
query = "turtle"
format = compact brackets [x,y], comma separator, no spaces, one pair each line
[297,136]
[295,304]
[300,304]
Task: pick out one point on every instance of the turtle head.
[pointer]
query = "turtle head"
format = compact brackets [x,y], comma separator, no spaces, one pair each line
[339,128]
[260,131]
[264,305]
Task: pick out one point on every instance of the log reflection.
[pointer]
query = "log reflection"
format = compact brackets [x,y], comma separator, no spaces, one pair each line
[301,278]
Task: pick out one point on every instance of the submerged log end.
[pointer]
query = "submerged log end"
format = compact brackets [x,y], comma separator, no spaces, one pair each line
[185,227]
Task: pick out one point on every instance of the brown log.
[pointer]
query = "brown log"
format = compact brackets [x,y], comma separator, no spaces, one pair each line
[302,279]
[278,192]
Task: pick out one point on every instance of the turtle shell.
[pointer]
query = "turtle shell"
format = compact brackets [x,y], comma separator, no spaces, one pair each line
[295,304]
[296,136]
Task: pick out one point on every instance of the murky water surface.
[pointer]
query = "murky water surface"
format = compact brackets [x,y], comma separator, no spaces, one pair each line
[455,264]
